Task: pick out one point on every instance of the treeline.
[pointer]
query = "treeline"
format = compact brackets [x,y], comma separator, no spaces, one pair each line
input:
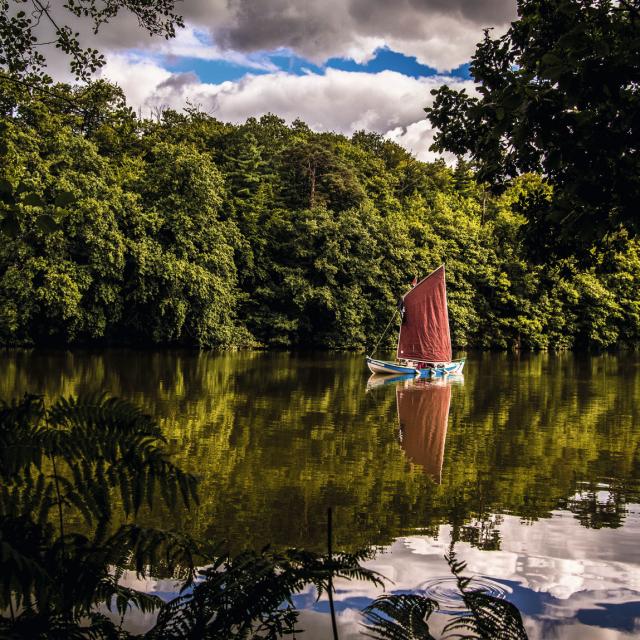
[187,230]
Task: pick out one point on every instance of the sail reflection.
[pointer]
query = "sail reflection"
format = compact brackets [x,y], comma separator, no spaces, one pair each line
[423,413]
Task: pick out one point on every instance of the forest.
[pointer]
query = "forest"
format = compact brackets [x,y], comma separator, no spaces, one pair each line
[184,230]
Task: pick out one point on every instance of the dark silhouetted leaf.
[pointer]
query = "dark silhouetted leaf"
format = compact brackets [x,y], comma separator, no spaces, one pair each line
[47,223]
[64,199]
[33,200]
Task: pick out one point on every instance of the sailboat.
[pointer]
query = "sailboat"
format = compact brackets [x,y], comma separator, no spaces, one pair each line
[424,343]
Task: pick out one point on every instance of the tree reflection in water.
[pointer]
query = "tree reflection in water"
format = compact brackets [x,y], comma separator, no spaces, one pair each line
[64,549]
[69,459]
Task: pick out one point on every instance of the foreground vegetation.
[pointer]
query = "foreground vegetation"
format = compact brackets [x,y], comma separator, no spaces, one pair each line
[190,231]
[69,473]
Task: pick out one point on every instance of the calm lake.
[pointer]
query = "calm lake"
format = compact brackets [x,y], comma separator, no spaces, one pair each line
[529,467]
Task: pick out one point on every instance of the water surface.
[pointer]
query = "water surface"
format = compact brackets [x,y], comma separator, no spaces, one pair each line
[529,467]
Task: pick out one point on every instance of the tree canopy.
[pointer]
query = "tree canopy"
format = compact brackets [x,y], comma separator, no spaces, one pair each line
[190,231]
[559,94]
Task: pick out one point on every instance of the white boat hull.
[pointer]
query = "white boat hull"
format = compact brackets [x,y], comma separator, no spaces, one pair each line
[391,368]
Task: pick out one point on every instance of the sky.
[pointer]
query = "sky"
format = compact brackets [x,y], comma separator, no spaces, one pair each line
[339,65]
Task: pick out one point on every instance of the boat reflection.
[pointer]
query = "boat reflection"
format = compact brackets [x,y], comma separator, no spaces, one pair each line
[423,413]
[376,380]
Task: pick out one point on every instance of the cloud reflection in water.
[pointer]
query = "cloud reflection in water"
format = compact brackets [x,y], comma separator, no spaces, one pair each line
[567,581]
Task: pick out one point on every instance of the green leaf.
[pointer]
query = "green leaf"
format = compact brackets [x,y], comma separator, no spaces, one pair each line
[64,199]
[33,200]
[47,223]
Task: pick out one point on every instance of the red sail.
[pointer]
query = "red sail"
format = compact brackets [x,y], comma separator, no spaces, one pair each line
[424,333]
[423,412]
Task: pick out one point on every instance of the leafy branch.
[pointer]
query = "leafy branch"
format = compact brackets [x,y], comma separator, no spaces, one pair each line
[25,25]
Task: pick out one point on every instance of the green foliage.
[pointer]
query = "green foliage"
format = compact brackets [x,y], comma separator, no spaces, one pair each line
[558,95]
[145,237]
[193,232]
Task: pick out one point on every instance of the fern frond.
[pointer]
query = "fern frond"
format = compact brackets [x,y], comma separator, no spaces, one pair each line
[399,617]
[488,617]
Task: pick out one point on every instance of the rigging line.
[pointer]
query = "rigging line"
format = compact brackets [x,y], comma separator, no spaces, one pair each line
[384,332]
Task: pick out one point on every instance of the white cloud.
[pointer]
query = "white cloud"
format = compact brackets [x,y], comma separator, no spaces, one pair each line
[418,137]
[139,78]
[192,42]
[581,569]
[440,33]
[387,102]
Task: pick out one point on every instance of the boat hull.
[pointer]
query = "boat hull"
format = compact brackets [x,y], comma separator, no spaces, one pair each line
[391,368]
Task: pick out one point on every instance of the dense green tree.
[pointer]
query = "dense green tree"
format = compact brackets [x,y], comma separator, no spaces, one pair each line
[315,174]
[558,93]
[181,274]
[145,236]
[190,231]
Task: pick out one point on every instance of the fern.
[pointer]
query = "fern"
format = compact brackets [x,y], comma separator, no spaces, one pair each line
[251,594]
[400,617]
[405,616]
[489,618]
[73,457]
[33,625]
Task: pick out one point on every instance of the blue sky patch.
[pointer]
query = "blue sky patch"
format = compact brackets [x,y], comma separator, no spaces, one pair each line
[213,71]
[217,71]
[387,60]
